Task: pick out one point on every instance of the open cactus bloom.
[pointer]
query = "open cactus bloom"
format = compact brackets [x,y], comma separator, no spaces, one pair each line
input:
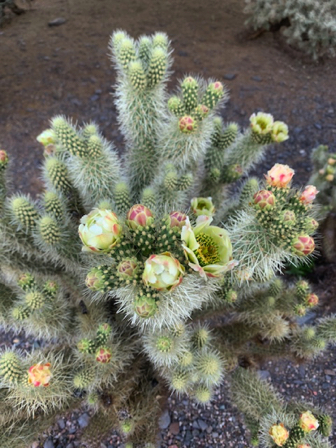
[39,375]
[207,248]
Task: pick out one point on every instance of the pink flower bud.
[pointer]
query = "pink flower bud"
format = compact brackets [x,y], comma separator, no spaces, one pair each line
[312,300]
[103,355]
[187,124]
[264,199]
[39,375]
[279,434]
[308,422]
[3,157]
[329,177]
[279,176]
[303,245]
[303,445]
[308,194]
[127,268]
[331,161]
[217,86]
[139,216]
[177,219]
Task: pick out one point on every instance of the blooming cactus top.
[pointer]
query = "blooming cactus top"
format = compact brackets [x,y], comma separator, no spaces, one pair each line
[208,248]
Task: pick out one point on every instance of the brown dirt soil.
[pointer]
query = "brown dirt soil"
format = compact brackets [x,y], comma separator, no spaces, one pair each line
[51,70]
[65,70]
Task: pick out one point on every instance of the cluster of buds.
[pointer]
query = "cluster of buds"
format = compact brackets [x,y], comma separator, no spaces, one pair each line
[265,129]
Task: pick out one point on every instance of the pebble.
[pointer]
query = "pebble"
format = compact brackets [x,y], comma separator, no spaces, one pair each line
[202,424]
[61,423]
[256,78]
[49,444]
[83,420]
[183,53]
[57,22]
[264,374]
[230,76]
[174,428]
[164,420]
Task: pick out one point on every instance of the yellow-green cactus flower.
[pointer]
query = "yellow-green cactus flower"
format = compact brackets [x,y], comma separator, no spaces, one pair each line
[99,231]
[261,123]
[202,206]
[207,248]
[46,137]
[162,272]
[279,131]
[279,434]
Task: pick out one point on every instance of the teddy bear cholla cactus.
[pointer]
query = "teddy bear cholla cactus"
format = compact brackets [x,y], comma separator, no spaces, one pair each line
[162,245]
[307,24]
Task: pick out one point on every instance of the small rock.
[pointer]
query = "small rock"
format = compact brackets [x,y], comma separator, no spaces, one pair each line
[202,424]
[256,78]
[103,446]
[183,53]
[310,316]
[57,22]
[174,428]
[215,435]
[49,444]
[61,423]
[264,374]
[195,425]
[195,432]
[330,372]
[94,97]
[83,420]
[230,76]
[318,126]
[70,445]
[164,420]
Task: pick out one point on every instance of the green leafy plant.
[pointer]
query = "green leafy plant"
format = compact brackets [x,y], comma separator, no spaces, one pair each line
[121,262]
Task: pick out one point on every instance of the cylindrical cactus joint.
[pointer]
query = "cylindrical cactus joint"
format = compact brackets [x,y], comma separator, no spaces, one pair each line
[103,334]
[49,230]
[203,394]
[50,289]
[86,346]
[127,426]
[10,367]
[24,212]
[175,105]
[189,88]
[27,281]
[157,66]
[83,379]
[35,300]
[53,205]
[137,75]
[164,344]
